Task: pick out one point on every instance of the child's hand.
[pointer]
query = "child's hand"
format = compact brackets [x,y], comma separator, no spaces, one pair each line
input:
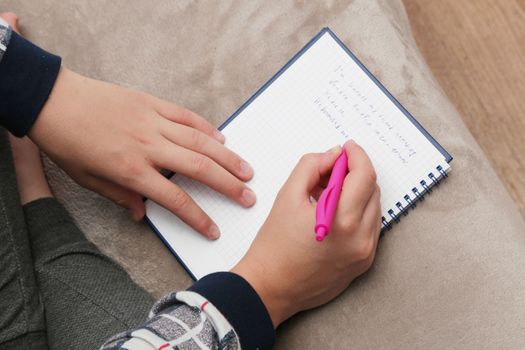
[114,141]
[288,268]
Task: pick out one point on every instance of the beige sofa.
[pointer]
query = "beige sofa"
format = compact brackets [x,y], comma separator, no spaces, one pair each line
[449,276]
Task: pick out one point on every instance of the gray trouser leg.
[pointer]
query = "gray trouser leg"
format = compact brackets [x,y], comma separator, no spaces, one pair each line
[57,289]
[22,324]
[87,297]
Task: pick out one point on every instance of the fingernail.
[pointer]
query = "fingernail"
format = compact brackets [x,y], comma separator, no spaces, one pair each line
[248,197]
[214,232]
[246,169]
[219,136]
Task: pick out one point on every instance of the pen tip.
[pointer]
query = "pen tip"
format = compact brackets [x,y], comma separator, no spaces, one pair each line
[320,233]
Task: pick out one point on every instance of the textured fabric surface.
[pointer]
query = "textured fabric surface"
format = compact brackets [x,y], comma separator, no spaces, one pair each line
[219,311]
[5,35]
[185,321]
[22,324]
[87,297]
[28,75]
[241,305]
[56,288]
[450,275]
[58,291]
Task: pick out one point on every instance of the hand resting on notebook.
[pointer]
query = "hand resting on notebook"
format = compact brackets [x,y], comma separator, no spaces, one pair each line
[113,140]
[287,267]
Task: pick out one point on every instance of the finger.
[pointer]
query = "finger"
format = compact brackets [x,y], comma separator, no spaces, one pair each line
[308,173]
[371,219]
[11,19]
[205,170]
[360,237]
[170,196]
[359,184]
[186,117]
[316,192]
[323,182]
[320,187]
[121,196]
[202,143]
[371,226]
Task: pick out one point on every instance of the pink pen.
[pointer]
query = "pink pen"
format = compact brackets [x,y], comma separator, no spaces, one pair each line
[327,203]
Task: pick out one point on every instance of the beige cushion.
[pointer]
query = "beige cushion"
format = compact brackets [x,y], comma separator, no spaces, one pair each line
[450,275]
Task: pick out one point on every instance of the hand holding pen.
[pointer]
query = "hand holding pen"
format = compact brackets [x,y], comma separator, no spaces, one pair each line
[284,260]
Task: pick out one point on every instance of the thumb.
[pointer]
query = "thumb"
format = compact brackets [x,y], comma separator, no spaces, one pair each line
[311,168]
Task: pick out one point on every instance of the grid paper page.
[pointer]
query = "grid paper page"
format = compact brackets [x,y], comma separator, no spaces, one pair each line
[323,99]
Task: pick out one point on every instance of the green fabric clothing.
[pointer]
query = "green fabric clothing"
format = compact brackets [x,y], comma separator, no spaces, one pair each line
[57,290]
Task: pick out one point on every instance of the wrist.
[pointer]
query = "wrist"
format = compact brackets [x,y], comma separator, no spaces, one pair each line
[240,304]
[43,128]
[268,287]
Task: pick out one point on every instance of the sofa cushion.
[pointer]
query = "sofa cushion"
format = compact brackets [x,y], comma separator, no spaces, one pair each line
[450,275]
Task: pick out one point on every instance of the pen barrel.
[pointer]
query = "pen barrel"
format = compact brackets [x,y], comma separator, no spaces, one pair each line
[327,204]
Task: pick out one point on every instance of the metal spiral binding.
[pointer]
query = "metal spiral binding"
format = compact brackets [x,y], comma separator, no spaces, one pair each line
[417,196]
[425,186]
[441,171]
[402,210]
[393,216]
[410,202]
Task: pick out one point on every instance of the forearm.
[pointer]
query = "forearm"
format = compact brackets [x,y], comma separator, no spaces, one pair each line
[220,311]
[27,76]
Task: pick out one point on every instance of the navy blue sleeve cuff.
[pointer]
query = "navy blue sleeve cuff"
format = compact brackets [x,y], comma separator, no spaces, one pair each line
[243,308]
[27,76]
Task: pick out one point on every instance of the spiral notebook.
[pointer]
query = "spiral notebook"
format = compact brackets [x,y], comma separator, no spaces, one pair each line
[322,97]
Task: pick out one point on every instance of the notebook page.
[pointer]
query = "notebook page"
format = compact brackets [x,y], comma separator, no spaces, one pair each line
[320,101]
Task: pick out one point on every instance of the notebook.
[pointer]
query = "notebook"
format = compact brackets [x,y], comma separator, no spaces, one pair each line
[322,97]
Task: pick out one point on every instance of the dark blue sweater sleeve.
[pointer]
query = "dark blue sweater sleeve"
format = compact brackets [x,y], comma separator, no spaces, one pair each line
[27,76]
[242,307]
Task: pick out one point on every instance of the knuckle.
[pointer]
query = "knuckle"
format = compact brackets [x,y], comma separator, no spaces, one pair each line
[370,260]
[348,223]
[202,224]
[131,170]
[363,251]
[138,96]
[378,197]
[189,118]
[369,179]
[199,121]
[199,165]
[180,201]
[367,263]
[372,176]
[184,114]
[197,139]
[308,158]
